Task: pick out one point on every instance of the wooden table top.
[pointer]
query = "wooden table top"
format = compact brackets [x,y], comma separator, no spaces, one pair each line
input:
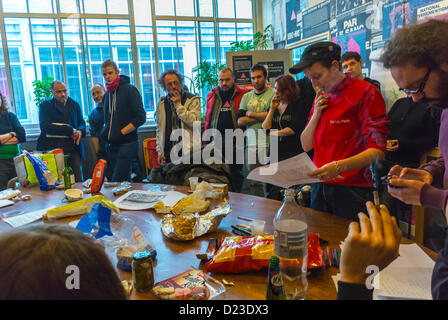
[174,257]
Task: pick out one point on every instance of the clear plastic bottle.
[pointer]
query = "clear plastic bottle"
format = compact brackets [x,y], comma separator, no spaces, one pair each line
[291,246]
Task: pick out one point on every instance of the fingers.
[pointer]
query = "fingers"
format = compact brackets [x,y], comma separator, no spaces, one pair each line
[353,230]
[395,170]
[375,219]
[366,227]
[388,223]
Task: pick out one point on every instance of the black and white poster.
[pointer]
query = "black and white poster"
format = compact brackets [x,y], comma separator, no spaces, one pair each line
[274,68]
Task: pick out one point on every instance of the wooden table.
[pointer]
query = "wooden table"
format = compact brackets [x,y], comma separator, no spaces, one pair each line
[174,257]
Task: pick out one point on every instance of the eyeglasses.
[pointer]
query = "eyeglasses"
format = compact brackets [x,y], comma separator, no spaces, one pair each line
[420,88]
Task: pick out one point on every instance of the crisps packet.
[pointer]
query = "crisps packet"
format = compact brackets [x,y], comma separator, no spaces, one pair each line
[238,254]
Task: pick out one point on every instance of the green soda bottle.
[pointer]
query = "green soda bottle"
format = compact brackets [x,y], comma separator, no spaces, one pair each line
[275,290]
[68,175]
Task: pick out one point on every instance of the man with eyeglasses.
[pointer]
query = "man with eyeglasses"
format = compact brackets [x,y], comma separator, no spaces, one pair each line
[417,57]
[62,126]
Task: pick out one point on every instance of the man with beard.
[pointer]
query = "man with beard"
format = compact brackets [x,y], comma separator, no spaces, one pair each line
[62,126]
[417,57]
[223,103]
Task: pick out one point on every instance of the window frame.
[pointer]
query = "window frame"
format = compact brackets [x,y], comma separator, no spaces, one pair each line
[84,45]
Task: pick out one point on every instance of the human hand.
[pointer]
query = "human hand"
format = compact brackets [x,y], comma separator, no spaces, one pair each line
[398,171]
[175,97]
[326,172]
[77,135]
[408,191]
[375,240]
[392,145]
[161,159]
[321,102]
[275,102]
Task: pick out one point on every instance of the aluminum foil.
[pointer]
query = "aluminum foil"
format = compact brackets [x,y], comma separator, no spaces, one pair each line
[192,226]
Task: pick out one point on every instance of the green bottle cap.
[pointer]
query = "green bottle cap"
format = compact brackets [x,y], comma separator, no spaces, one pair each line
[274,261]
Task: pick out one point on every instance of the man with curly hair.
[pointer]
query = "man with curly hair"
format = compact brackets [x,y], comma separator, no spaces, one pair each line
[417,57]
[179,109]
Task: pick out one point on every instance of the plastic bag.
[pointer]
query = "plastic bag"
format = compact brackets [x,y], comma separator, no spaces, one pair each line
[124,241]
[46,179]
[241,254]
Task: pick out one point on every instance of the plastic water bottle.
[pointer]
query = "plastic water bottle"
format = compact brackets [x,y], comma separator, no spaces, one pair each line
[291,246]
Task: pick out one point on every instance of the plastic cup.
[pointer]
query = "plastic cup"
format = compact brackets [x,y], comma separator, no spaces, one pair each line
[257,227]
[193,183]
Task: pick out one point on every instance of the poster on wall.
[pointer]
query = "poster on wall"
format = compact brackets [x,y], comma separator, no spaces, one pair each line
[438,10]
[278,8]
[241,69]
[344,6]
[393,17]
[316,19]
[274,68]
[352,35]
[293,22]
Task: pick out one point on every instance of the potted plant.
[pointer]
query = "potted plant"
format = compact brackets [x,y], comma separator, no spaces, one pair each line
[42,90]
[206,78]
[260,41]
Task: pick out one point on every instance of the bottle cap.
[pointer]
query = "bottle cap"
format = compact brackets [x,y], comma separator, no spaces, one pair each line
[140,255]
[274,260]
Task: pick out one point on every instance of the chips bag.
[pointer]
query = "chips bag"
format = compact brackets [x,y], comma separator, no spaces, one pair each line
[238,254]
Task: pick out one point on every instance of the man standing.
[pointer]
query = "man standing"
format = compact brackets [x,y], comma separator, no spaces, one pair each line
[177,110]
[223,103]
[352,62]
[417,57]
[253,110]
[62,126]
[123,115]
[96,122]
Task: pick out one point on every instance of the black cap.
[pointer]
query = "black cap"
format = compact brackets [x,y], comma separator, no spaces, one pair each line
[317,52]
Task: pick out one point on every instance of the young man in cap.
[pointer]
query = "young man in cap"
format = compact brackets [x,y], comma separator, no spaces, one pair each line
[347,129]
[352,62]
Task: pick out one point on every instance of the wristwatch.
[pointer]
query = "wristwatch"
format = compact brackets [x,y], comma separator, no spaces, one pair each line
[13,135]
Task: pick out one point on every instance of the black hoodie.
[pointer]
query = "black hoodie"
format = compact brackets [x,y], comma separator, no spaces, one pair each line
[122,107]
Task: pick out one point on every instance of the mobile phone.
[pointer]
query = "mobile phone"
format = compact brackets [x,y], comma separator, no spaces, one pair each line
[386,181]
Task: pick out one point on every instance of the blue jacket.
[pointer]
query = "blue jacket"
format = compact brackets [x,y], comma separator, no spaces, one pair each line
[96,122]
[56,128]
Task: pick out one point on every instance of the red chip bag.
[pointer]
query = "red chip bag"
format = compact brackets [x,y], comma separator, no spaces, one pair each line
[242,253]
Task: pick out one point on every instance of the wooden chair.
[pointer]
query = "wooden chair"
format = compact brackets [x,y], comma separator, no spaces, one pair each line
[150,154]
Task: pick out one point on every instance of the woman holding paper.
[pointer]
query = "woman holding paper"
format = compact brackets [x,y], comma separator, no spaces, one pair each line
[347,129]
[11,134]
[286,119]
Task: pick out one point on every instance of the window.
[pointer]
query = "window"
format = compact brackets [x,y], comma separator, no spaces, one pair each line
[70,42]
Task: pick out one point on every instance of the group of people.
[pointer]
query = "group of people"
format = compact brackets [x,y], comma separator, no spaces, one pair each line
[346,127]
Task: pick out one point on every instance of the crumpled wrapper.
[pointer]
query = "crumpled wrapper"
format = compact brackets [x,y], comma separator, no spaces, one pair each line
[191,226]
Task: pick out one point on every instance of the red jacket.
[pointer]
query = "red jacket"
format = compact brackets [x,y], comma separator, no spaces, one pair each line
[239,93]
[354,121]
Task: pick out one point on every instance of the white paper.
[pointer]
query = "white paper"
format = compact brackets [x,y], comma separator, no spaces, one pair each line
[142,200]
[23,219]
[407,277]
[5,203]
[286,173]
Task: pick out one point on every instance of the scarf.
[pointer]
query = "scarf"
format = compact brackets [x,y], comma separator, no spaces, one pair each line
[114,85]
